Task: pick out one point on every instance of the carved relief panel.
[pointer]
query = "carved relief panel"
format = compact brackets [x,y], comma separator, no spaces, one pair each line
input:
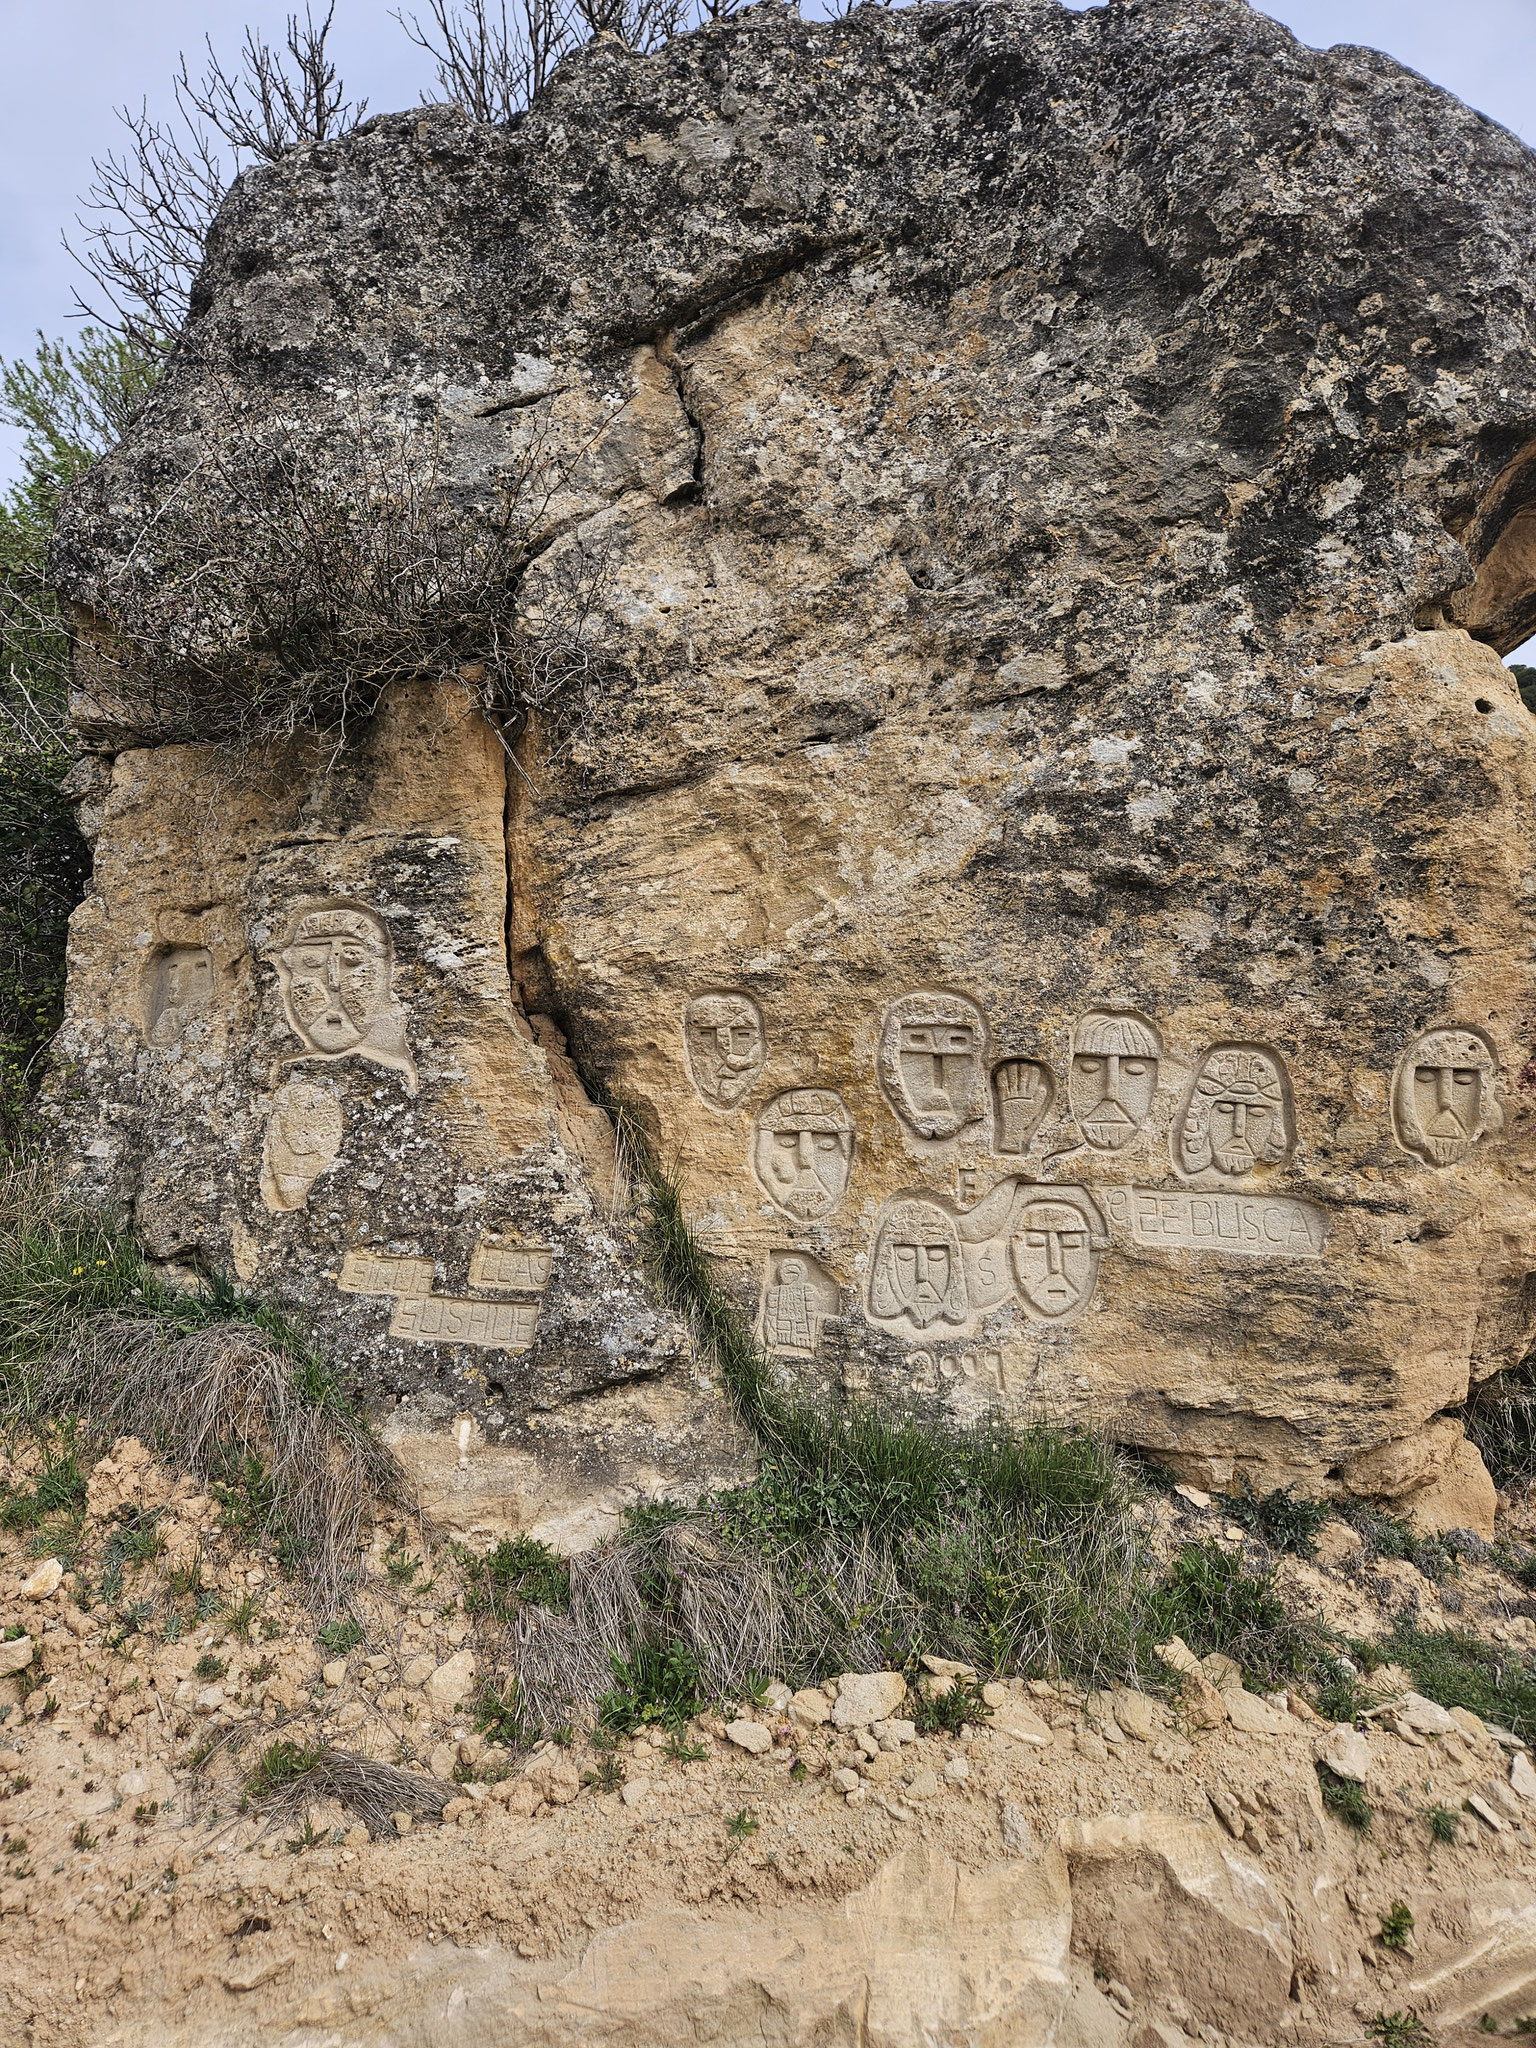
[917,1272]
[933,1062]
[1054,1241]
[1236,1115]
[180,986]
[335,970]
[725,1045]
[1113,1076]
[798,1296]
[1022,1094]
[802,1152]
[303,1139]
[1444,1094]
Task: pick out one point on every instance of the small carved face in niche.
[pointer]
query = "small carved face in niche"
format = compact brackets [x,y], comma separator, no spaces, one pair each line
[933,1061]
[336,971]
[181,988]
[917,1272]
[1444,1100]
[1113,1076]
[1237,1115]
[725,1045]
[1054,1250]
[802,1152]
[1022,1093]
[799,1296]
[304,1133]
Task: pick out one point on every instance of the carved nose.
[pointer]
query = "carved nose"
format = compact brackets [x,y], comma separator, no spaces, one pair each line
[1052,1252]
[805,1148]
[332,973]
[1442,1087]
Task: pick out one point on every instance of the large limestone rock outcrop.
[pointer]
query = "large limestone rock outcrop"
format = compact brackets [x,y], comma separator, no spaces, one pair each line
[1044,838]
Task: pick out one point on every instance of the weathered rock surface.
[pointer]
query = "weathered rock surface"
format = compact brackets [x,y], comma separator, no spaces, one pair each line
[1050,853]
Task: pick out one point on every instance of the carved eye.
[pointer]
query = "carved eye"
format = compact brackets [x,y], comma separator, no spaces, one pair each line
[786,1140]
[1133,1066]
[1425,1076]
[1464,1076]
[352,956]
[826,1142]
[1090,1066]
[1073,1240]
[311,959]
[1035,1239]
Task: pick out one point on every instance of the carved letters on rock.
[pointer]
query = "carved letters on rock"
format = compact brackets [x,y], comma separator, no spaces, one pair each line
[335,969]
[303,1138]
[427,1318]
[933,1062]
[798,1296]
[1258,1226]
[1113,1076]
[1236,1115]
[180,983]
[802,1152]
[724,1044]
[1444,1095]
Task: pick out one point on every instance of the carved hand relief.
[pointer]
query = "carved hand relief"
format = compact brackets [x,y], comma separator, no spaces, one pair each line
[725,1046]
[933,1062]
[1444,1095]
[798,1296]
[1022,1094]
[303,1138]
[1054,1242]
[1113,1076]
[180,987]
[336,973]
[802,1152]
[1236,1115]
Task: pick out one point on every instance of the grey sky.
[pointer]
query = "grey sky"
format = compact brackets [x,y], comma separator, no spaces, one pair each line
[65,64]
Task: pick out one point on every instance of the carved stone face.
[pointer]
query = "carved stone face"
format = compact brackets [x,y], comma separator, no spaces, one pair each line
[1444,1099]
[1113,1076]
[1237,1115]
[933,1054]
[802,1152]
[725,1045]
[303,1138]
[1022,1092]
[181,989]
[1054,1251]
[917,1273]
[336,973]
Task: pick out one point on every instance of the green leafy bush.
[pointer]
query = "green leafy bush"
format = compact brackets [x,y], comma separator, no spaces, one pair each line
[1286,1520]
[1344,1799]
[657,1686]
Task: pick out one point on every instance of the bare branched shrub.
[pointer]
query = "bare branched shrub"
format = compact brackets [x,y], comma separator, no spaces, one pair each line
[152,201]
[299,569]
[492,59]
[210,1399]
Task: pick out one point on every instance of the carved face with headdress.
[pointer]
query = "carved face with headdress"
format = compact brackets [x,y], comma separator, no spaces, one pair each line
[335,970]
[1053,1248]
[1237,1115]
[933,1051]
[1443,1099]
[917,1273]
[724,1043]
[802,1152]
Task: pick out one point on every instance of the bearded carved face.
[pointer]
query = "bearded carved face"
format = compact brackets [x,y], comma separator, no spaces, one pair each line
[336,973]
[1237,1115]
[725,1046]
[933,1052]
[1444,1098]
[1054,1249]
[917,1273]
[802,1152]
[1113,1076]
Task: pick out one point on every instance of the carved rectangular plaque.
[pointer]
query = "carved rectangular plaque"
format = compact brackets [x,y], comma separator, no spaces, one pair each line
[520,1268]
[455,1319]
[1180,1219]
[384,1273]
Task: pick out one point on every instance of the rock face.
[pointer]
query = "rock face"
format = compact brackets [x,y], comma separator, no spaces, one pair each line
[1048,852]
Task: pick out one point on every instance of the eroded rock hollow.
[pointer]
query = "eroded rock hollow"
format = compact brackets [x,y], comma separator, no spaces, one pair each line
[1039,827]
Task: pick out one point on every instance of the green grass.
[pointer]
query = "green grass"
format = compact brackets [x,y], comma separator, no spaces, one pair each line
[279,1764]
[1458,1670]
[1396,1926]
[1215,1603]
[1501,1421]
[656,1687]
[1285,1520]
[502,1713]
[1344,1799]
[945,1712]
[520,1571]
[1444,1826]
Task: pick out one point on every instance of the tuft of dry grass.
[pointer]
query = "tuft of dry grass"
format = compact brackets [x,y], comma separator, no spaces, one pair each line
[222,1402]
[375,1792]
